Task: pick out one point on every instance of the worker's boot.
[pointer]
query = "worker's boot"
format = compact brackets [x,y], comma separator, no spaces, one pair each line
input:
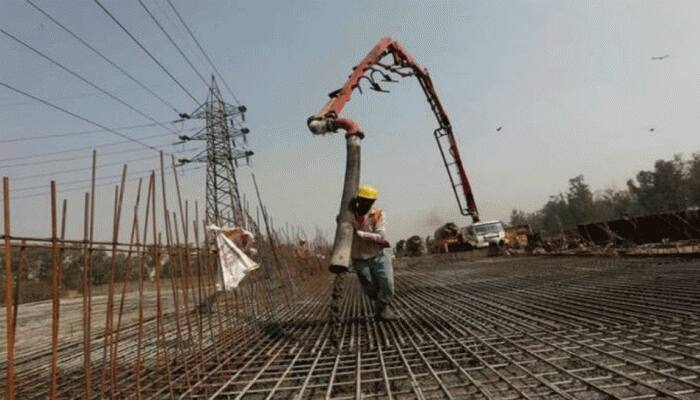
[385,312]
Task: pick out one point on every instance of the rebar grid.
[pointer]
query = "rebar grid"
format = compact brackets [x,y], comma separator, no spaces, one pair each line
[562,328]
[520,328]
[152,320]
[516,329]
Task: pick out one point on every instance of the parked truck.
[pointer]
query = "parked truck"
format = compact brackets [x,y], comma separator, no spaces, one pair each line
[446,239]
[517,236]
[449,238]
[483,234]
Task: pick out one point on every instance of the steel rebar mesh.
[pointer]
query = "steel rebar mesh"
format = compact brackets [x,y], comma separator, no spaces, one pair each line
[573,328]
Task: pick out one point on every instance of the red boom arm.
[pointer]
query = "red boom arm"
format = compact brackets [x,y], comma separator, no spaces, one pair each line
[403,65]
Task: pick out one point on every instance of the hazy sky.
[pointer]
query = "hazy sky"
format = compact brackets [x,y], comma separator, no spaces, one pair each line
[570,82]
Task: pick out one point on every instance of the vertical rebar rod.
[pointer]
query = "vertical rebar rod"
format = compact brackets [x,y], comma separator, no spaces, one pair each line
[108,308]
[87,284]
[64,213]
[171,269]
[185,276]
[57,274]
[20,273]
[269,229]
[10,333]
[179,198]
[55,295]
[109,315]
[140,263]
[203,272]
[174,271]
[160,336]
[187,263]
[133,242]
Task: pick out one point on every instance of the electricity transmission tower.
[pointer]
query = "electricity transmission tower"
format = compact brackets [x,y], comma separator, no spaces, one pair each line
[223,133]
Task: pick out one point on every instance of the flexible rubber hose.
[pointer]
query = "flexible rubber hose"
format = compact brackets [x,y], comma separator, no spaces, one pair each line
[342,245]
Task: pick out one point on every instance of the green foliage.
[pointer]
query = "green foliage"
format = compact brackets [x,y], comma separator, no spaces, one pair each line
[519,217]
[694,180]
[664,188]
[579,200]
[671,185]
[555,214]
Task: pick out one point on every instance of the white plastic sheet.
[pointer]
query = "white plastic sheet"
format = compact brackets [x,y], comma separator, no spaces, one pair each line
[234,264]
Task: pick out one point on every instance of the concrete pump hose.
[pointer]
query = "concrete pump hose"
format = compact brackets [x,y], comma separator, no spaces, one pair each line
[340,259]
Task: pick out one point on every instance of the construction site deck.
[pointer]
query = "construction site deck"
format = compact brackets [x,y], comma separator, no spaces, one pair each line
[491,328]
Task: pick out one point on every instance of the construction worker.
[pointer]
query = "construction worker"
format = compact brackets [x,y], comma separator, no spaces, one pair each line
[301,250]
[372,265]
[302,254]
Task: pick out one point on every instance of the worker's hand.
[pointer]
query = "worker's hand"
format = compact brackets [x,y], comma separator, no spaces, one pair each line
[384,244]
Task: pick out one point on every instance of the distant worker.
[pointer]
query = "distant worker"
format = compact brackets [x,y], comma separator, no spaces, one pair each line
[301,251]
[372,265]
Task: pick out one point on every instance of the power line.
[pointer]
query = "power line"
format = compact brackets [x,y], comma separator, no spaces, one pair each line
[26,188]
[173,43]
[123,28]
[99,53]
[80,77]
[203,52]
[63,184]
[77,149]
[14,89]
[66,171]
[168,172]
[56,160]
[180,34]
[57,98]
[77,133]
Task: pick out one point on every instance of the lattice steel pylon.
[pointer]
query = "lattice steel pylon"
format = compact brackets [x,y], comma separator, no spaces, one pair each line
[225,135]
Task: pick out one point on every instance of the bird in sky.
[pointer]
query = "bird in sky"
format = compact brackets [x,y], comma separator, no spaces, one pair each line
[651,129]
[499,129]
[659,58]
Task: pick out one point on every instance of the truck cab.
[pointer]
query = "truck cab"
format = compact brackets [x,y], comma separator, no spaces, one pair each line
[481,234]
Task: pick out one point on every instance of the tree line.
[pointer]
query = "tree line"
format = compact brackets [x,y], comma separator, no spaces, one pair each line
[38,268]
[671,185]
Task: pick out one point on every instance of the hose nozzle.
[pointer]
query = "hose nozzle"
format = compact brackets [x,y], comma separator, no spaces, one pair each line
[319,126]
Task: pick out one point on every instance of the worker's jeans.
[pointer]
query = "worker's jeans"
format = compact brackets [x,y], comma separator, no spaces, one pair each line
[376,275]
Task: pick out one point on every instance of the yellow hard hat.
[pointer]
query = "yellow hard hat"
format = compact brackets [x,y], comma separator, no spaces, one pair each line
[368,192]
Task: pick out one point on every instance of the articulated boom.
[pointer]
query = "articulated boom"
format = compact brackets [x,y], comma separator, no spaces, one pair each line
[402,65]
